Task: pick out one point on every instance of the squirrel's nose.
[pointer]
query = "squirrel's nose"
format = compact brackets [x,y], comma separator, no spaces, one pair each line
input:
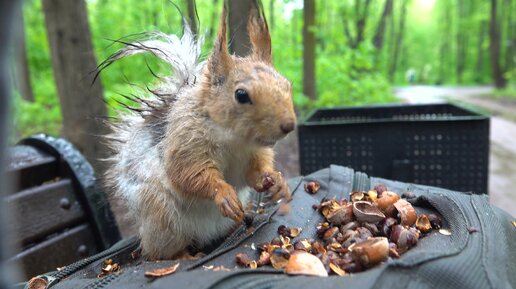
[287,126]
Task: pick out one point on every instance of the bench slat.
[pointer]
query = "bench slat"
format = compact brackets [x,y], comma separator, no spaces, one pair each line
[43,210]
[30,167]
[57,251]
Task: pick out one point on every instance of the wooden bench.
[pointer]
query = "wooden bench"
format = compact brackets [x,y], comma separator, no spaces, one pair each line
[60,213]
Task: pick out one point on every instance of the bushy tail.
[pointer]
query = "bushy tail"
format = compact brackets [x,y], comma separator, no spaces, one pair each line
[182,54]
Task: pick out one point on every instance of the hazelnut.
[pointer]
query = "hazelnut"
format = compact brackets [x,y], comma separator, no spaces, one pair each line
[380,188]
[341,215]
[386,201]
[385,226]
[302,263]
[330,233]
[371,251]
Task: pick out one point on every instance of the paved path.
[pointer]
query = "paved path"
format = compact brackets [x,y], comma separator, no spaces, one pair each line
[502,162]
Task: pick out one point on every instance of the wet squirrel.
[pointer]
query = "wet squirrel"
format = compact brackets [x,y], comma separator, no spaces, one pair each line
[184,160]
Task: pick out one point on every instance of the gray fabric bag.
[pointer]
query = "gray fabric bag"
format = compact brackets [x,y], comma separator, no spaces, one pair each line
[482,258]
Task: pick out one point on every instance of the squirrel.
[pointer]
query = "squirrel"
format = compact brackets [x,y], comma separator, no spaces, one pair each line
[185,160]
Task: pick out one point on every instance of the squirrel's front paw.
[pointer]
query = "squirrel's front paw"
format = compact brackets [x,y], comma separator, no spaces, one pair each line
[229,204]
[274,183]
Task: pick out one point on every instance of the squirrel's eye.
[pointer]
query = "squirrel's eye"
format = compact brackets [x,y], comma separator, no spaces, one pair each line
[242,96]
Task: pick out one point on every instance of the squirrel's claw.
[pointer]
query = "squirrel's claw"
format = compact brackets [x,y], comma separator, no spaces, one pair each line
[229,205]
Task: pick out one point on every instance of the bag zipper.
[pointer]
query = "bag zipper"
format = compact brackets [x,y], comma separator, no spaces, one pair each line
[56,276]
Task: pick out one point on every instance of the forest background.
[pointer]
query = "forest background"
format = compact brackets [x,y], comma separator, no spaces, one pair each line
[336,52]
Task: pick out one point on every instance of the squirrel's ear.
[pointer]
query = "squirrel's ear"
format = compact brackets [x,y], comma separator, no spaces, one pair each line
[220,62]
[259,33]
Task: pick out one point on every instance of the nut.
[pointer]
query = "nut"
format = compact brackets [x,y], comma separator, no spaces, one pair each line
[279,258]
[385,226]
[294,232]
[303,245]
[265,259]
[243,260]
[435,221]
[380,188]
[330,233]
[372,195]
[406,212]
[367,213]
[371,251]
[386,201]
[404,238]
[423,223]
[349,226]
[340,215]
[283,231]
[303,263]
[356,196]
[312,187]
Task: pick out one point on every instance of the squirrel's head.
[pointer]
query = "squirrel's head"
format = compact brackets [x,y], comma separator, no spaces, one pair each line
[246,95]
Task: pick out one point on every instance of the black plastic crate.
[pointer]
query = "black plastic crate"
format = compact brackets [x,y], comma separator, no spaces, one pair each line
[439,145]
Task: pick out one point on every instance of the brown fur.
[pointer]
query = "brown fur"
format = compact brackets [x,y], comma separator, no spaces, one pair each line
[212,147]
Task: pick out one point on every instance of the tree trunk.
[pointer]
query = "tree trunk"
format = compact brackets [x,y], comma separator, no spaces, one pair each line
[480,51]
[511,36]
[309,49]
[73,61]
[360,23]
[462,37]
[494,48]
[239,42]
[399,40]
[380,30]
[192,15]
[22,77]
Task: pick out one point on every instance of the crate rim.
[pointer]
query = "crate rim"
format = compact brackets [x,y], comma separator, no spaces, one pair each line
[478,115]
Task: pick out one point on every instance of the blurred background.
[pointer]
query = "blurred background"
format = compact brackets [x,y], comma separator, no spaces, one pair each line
[337,53]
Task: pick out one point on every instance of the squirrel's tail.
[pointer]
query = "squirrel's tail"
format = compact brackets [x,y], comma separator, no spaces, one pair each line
[182,54]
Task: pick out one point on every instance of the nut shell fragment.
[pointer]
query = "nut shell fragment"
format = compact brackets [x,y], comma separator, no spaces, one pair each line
[423,223]
[303,263]
[312,187]
[365,212]
[161,271]
[279,258]
[406,212]
[337,270]
[37,283]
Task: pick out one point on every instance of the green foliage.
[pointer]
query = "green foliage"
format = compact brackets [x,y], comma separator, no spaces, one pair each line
[344,76]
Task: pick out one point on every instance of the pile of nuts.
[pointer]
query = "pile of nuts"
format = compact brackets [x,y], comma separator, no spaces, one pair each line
[356,235]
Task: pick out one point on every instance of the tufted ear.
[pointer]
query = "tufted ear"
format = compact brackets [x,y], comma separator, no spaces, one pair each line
[220,62]
[259,33]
